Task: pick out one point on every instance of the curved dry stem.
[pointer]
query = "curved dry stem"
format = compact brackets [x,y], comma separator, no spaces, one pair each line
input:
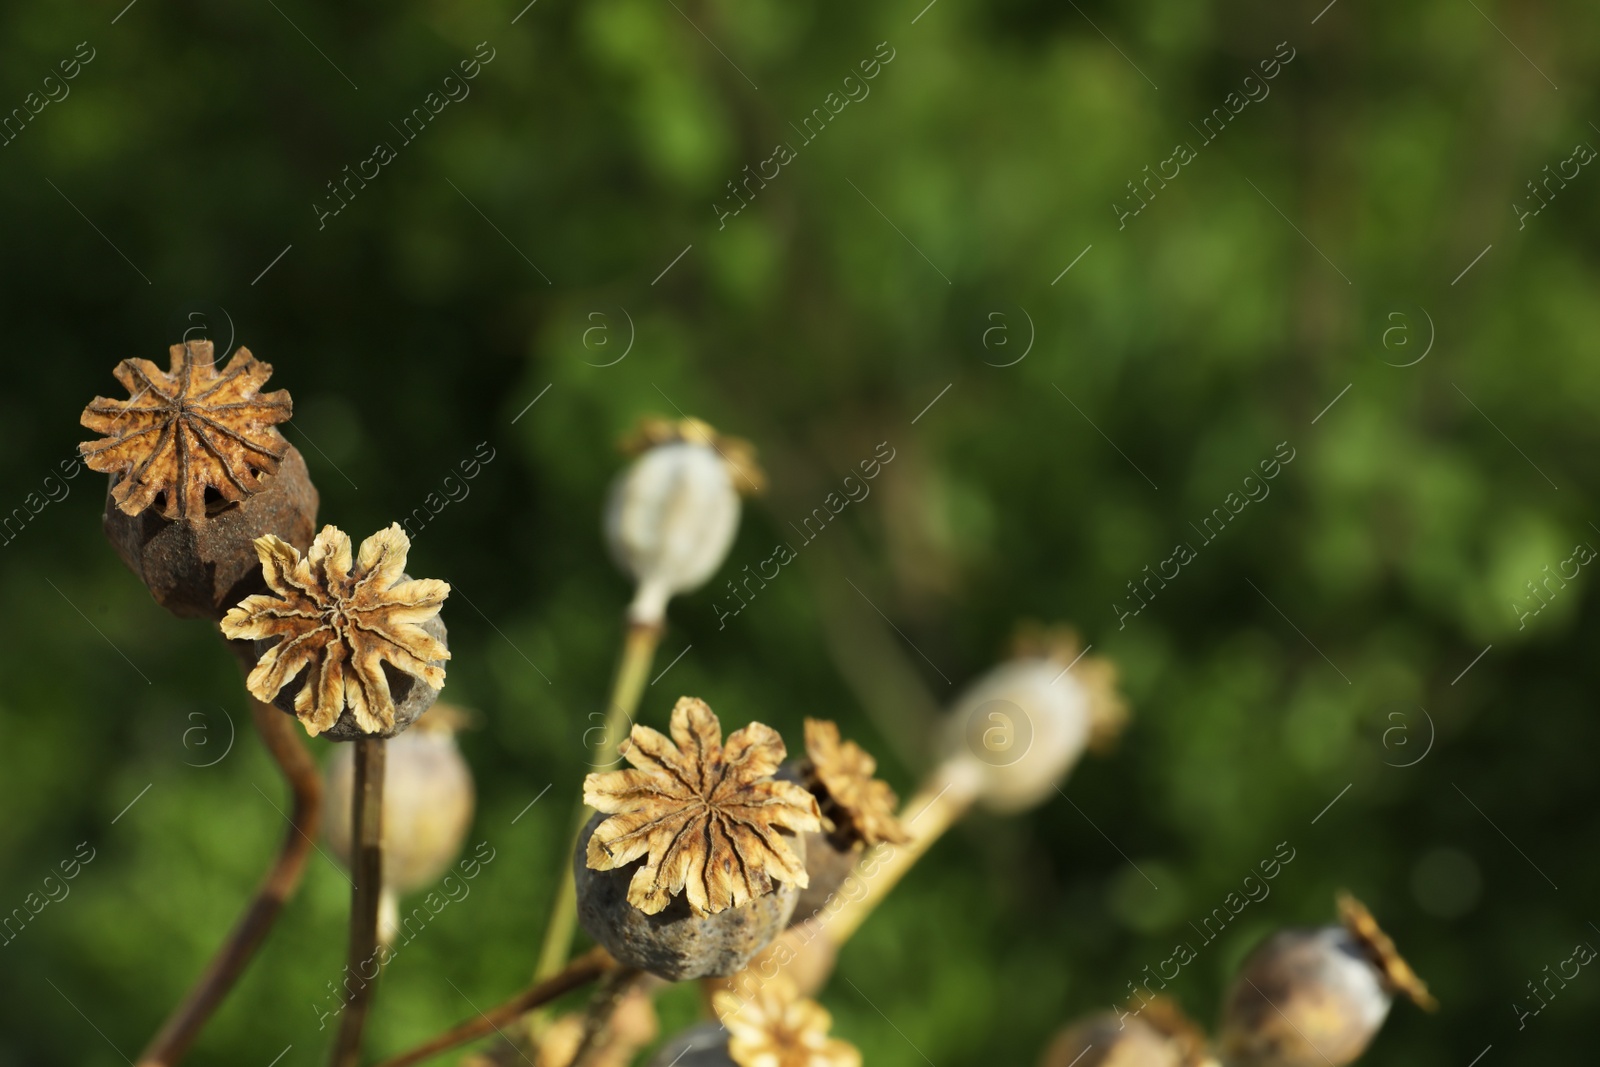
[279,734]
[579,972]
[602,1006]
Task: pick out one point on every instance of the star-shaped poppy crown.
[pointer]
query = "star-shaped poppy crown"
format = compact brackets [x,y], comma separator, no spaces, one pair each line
[188,431]
[708,818]
[341,621]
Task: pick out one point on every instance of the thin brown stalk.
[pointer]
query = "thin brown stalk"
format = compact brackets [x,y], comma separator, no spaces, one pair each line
[366,835]
[579,972]
[281,737]
[597,1019]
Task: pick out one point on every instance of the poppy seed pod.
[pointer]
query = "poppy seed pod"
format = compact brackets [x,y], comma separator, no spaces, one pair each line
[690,868]
[1156,1034]
[1310,997]
[676,943]
[346,642]
[427,808]
[858,811]
[672,514]
[198,472]
[1025,724]
[774,1026]
[199,568]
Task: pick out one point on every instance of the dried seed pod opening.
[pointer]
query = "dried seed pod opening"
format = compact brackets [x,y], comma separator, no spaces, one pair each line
[709,819]
[200,568]
[776,1027]
[1024,725]
[428,799]
[191,439]
[1319,996]
[366,636]
[736,452]
[672,514]
[856,807]
[1379,947]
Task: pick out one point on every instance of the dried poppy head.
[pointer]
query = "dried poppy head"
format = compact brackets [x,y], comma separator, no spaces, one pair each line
[707,833]
[189,438]
[777,1027]
[858,807]
[1156,1034]
[367,637]
[672,514]
[1020,728]
[1398,977]
[427,808]
[774,1026]
[1310,997]
[858,811]
[198,472]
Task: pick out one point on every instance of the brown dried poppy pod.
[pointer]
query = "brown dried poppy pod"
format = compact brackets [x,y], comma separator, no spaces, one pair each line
[691,868]
[1156,1034]
[858,811]
[676,943]
[427,808]
[350,645]
[772,1027]
[198,472]
[1316,997]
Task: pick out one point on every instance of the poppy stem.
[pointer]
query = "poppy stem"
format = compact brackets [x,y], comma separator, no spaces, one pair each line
[638,652]
[938,805]
[366,834]
[280,734]
[579,972]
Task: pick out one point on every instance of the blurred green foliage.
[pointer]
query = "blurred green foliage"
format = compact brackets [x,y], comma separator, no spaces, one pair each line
[818,322]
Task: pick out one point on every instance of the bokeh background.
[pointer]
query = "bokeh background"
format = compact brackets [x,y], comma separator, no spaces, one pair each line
[1313,254]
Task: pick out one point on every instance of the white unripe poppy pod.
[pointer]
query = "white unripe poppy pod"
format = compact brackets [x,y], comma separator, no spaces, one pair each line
[428,800]
[672,514]
[1024,725]
[1316,997]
